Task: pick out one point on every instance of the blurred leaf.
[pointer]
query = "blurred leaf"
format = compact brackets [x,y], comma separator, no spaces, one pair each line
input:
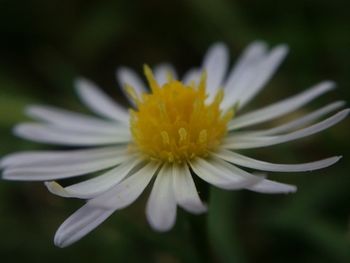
[98,28]
[222,226]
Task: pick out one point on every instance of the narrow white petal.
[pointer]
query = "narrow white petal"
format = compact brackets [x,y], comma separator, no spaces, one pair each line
[272,187]
[74,121]
[35,158]
[264,72]
[222,174]
[162,71]
[79,224]
[191,75]
[93,187]
[185,190]
[245,161]
[126,192]
[215,63]
[99,102]
[256,183]
[128,76]
[280,108]
[60,171]
[98,209]
[298,123]
[211,174]
[161,204]
[246,142]
[252,54]
[243,72]
[57,135]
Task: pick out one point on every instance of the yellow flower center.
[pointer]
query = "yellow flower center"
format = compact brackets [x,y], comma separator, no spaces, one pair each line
[174,123]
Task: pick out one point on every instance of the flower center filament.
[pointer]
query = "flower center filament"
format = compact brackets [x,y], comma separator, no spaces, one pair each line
[174,123]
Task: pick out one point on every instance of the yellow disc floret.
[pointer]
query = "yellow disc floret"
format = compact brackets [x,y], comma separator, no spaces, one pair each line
[174,123]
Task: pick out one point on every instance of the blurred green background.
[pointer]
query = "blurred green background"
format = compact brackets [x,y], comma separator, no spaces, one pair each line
[46,44]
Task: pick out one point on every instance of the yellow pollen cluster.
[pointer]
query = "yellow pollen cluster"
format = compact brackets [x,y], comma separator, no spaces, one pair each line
[173,123]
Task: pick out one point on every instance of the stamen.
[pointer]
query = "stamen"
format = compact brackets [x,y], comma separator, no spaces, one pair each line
[132,93]
[150,78]
[165,137]
[169,76]
[183,134]
[203,137]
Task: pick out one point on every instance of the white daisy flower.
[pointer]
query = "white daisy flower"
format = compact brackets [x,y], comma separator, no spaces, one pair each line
[178,129]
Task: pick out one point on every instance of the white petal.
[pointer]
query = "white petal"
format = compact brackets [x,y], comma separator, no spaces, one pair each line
[250,56]
[79,224]
[161,204]
[62,136]
[222,174]
[246,142]
[74,121]
[191,75]
[243,73]
[265,166]
[64,170]
[298,123]
[128,76]
[100,208]
[256,183]
[35,158]
[264,72]
[126,192]
[162,71]
[99,102]
[93,187]
[215,63]
[272,187]
[185,190]
[280,108]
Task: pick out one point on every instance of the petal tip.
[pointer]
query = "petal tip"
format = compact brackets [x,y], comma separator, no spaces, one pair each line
[346,111]
[56,189]
[81,83]
[219,44]
[6,175]
[17,129]
[59,240]
[3,162]
[161,228]
[328,84]
[22,130]
[30,109]
[283,48]
[292,189]
[120,72]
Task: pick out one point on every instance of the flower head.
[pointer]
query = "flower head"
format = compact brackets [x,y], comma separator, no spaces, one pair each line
[177,129]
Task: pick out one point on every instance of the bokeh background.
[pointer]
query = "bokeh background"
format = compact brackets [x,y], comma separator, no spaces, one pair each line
[46,44]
